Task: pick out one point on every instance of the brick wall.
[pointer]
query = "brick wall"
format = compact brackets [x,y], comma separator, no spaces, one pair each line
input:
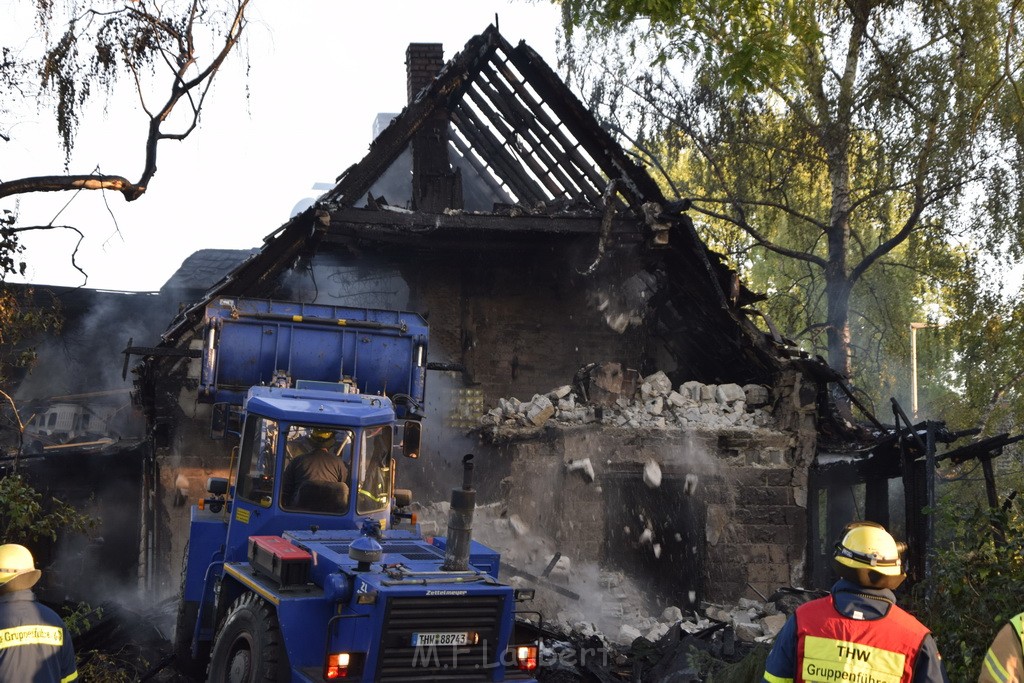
[422,62]
[729,517]
[520,328]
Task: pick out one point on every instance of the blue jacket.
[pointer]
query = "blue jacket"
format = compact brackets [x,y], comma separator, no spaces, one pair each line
[35,646]
[872,603]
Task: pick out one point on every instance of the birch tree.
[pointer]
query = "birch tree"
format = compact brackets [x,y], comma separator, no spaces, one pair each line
[837,134]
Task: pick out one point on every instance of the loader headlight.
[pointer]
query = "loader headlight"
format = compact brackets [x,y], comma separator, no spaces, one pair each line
[344,665]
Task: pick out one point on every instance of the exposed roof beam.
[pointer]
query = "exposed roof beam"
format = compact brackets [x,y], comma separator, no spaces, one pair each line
[415,223]
[557,139]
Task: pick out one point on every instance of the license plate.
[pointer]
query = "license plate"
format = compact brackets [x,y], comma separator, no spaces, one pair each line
[428,639]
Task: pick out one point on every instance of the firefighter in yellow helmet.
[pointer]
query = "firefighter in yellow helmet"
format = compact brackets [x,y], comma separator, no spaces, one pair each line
[857,632]
[35,646]
[1004,661]
[321,463]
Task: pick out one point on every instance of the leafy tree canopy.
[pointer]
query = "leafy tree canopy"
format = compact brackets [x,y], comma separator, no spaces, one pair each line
[859,160]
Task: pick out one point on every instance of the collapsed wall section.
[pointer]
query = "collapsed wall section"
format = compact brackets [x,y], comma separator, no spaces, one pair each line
[698,512]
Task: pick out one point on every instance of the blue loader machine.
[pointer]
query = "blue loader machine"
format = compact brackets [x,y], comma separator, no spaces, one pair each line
[306,564]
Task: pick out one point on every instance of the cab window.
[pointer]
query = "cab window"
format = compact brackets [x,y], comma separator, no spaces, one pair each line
[375,470]
[318,461]
[256,461]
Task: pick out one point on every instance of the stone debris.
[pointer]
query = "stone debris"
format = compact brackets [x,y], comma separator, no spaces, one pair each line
[604,604]
[652,474]
[583,466]
[647,403]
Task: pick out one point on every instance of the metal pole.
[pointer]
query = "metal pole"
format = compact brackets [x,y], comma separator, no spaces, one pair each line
[913,370]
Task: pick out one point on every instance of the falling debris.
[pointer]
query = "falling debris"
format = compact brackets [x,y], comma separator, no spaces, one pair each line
[652,474]
[518,526]
[584,467]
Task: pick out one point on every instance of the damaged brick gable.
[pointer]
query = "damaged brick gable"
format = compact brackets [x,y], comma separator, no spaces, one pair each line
[576,191]
[577,259]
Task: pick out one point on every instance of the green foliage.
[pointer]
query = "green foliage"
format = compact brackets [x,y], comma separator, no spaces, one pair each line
[858,163]
[976,583]
[24,317]
[110,40]
[121,666]
[24,518]
[738,37]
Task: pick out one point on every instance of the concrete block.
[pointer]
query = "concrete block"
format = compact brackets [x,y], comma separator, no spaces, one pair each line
[747,633]
[540,411]
[560,392]
[658,383]
[627,634]
[727,393]
[757,395]
[691,390]
[652,474]
[772,624]
[671,615]
[584,467]
[656,632]
[655,406]
[518,526]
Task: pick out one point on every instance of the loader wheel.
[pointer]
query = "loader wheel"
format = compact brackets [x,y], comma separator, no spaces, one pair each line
[183,627]
[248,647]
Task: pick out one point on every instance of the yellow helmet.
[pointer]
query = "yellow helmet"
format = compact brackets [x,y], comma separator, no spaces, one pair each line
[321,434]
[17,568]
[868,555]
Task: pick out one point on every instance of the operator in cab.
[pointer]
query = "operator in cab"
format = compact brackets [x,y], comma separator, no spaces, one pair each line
[319,462]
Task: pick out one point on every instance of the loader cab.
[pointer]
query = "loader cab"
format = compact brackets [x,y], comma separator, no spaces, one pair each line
[294,473]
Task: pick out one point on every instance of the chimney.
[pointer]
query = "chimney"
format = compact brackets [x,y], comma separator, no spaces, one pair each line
[423,61]
[435,187]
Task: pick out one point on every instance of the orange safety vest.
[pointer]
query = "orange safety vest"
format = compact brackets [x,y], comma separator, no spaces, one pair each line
[833,648]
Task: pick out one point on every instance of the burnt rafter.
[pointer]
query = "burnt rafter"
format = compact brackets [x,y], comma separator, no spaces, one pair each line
[639,188]
[443,92]
[550,169]
[549,134]
[352,221]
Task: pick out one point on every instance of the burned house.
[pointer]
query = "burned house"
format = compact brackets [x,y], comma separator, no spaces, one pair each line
[496,206]
[550,267]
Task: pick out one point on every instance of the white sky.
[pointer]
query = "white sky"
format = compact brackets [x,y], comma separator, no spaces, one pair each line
[319,73]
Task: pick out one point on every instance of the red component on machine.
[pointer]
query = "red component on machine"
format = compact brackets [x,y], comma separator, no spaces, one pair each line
[280,559]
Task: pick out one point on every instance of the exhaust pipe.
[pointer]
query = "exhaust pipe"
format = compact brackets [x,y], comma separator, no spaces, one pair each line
[460,521]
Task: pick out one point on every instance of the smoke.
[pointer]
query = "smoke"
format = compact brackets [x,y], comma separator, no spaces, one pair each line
[575,596]
[87,357]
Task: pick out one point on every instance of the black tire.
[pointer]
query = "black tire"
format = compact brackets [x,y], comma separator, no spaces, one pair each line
[184,627]
[248,647]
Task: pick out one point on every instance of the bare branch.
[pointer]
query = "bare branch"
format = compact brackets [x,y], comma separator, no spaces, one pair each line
[59,183]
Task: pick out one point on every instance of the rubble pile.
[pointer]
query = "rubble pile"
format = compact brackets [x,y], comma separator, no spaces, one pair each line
[589,602]
[654,403]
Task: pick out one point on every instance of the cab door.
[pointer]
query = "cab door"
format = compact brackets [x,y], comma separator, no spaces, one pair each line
[253,512]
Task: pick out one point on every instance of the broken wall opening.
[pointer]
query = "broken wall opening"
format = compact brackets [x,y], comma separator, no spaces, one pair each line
[675,515]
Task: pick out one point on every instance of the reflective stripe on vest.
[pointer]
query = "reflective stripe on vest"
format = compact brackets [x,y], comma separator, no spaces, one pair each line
[31,635]
[832,648]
